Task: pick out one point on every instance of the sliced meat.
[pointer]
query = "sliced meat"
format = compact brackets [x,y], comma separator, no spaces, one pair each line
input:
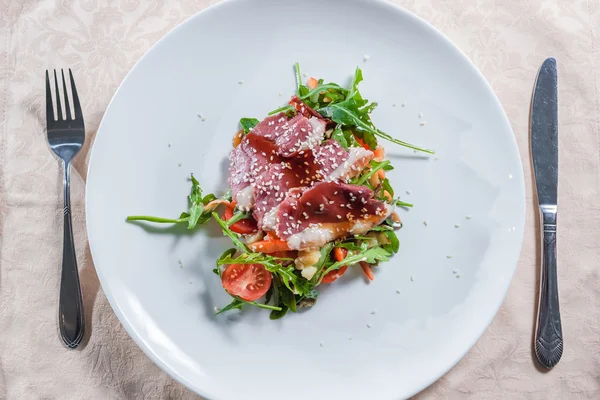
[338,164]
[291,136]
[248,160]
[272,186]
[311,217]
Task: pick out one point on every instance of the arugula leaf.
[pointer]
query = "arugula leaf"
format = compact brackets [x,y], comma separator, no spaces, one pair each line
[394,245]
[157,220]
[338,136]
[278,287]
[354,111]
[288,299]
[196,213]
[323,261]
[385,185]
[268,261]
[371,256]
[248,123]
[401,203]
[325,88]
[237,303]
[298,77]
[287,108]
[233,236]
[239,215]
[385,165]
[226,253]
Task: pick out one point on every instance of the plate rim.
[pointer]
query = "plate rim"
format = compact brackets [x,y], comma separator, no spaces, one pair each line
[131,330]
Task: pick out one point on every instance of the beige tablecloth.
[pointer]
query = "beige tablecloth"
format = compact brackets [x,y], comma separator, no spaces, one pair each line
[101,40]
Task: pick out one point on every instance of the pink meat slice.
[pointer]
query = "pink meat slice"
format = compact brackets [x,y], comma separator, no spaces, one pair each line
[272,186]
[247,161]
[311,217]
[339,164]
[291,136]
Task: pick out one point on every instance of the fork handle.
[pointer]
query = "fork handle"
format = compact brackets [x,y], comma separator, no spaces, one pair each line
[70,308]
[548,334]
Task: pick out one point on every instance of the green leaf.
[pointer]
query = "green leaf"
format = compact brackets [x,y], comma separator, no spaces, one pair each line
[338,136]
[324,88]
[233,236]
[354,112]
[385,185]
[370,256]
[298,77]
[248,123]
[278,314]
[394,246]
[288,299]
[239,215]
[323,261]
[158,220]
[235,304]
[401,203]
[285,109]
[385,165]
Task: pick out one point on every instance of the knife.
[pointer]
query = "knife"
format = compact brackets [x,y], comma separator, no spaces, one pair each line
[544,152]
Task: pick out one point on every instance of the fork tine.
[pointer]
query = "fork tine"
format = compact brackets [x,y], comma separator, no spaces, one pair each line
[49,108]
[76,105]
[65,94]
[58,106]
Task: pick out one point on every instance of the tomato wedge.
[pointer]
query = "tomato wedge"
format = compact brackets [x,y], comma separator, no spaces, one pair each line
[247,281]
[243,226]
[339,254]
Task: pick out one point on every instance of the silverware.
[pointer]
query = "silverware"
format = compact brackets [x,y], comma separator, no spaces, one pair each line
[66,136]
[544,152]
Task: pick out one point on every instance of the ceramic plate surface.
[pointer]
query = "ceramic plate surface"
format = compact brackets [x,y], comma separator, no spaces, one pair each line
[384,340]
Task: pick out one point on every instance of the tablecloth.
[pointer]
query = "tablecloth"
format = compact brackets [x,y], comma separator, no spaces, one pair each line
[101,40]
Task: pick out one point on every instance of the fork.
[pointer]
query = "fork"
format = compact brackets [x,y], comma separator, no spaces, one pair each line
[65,137]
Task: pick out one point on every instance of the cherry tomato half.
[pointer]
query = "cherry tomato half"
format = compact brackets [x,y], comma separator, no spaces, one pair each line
[243,226]
[246,281]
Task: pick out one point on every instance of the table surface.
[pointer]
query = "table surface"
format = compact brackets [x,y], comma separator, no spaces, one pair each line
[101,40]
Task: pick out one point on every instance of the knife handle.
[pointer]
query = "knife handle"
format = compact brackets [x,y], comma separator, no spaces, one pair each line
[548,334]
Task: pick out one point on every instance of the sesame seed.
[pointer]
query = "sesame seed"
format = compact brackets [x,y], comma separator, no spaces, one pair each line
[436,158]
[241,82]
[217,309]
[420,115]
[308,204]
[510,176]
[457,226]
[280,93]
[448,256]
[366,57]
[398,291]
[321,344]
[373,312]
[422,123]
[403,104]
[412,278]
[425,222]
[169,144]
[180,164]
[394,105]
[468,217]
[331,202]
[407,191]
[339,217]
[458,276]
[368,325]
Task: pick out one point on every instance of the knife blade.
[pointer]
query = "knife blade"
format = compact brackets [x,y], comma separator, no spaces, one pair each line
[544,153]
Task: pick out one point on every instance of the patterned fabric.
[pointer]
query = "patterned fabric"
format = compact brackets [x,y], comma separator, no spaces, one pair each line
[101,40]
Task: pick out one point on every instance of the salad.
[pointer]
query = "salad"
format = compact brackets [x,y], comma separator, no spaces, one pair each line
[308,198]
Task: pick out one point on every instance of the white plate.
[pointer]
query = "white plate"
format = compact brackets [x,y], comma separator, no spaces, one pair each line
[152,126]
